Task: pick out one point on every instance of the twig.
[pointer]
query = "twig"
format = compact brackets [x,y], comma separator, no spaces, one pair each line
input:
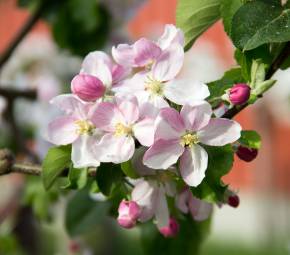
[11,94]
[22,33]
[285,53]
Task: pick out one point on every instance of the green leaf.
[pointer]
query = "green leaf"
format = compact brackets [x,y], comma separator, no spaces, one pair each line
[83,213]
[195,17]
[56,160]
[228,9]
[77,178]
[259,22]
[109,177]
[220,163]
[251,139]
[219,87]
[128,170]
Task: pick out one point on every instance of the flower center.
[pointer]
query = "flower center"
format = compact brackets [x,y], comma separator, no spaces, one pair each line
[84,127]
[121,129]
[189,140]
[154,86]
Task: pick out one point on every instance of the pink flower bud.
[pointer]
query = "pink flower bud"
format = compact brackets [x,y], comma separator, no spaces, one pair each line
[171,230]
[239,93]
[233,200]
[129,212]
[87,87]
[246,154]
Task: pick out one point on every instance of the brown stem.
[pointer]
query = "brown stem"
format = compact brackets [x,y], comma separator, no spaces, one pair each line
[285,53]
[11,94]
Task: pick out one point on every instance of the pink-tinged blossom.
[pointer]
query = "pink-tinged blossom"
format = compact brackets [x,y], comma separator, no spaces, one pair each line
[121,121]
[180,135]
[129,212]
[187,203]
[87,87]
[101,66]
[76,127]
[239,94]
[144,52]
[171,230]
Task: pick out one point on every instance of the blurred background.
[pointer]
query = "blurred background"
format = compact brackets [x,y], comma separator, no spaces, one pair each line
[44,63]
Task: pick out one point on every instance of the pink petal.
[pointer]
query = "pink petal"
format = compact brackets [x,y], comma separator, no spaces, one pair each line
[129,109]
[193,164]
[169,124]
[144,131]
[98,64]
[62,131]
[124,55]
[197,116]
[114,149]
[170,36]
[82,155]
[169,63]
[181,201]
[105,116]
[119,73]
[199,209]
[163,154]
[161,211]
[220,132]
[146,52]
[87,87]
[72,105]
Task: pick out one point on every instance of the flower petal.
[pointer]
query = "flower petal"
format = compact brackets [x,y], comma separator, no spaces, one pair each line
[181,201]
[197,116]
[185,91]
[124,55]
[82,153]
[146,52]
[220,132]
[170,36]
[71,105]
[161,210]
[163,153]
[169,63]
[199,209]
[62,131]
[193,164]
[114,149]
[144,131]
[137,163]
[99,64]
[169,124]
[129,109]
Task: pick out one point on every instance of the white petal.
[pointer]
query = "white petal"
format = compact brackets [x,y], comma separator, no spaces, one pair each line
[197,116]
[169,63]
[220,132]
[185,91]
[144,131]
[82,153]
[162,154]
[199,209]
[193,164]
[171,35]
[161,211]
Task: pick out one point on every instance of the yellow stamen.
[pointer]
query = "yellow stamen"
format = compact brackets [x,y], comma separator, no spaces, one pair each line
[84,127]
[154,86]
[121,129]
[189,140]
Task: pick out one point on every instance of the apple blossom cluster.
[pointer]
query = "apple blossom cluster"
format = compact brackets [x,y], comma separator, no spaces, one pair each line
[138,105]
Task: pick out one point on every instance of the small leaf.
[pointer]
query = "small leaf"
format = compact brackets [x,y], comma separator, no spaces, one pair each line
[77,178]
[258,72]
[260,22]
[108,178]
[56,160]
[128,170]
[83,213]
[251,139]
[195,17]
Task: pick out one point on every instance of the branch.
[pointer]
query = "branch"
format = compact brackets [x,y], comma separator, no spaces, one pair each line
[22,33]
[285,53]
[11,94]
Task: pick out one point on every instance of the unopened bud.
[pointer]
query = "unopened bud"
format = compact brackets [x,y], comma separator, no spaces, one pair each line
[87,87]
[129,212]
[233,200]
[246,154]
[239,94]
[171,230]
